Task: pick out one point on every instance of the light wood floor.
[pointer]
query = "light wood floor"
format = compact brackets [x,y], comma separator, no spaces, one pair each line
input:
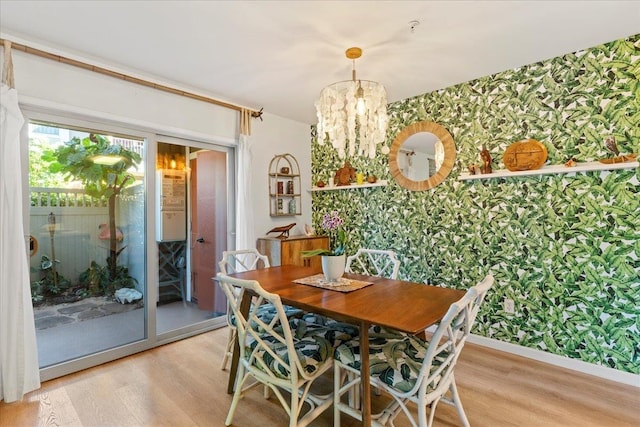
[181,384]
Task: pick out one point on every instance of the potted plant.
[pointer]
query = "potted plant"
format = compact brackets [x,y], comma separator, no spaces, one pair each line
[52,284]
[333,259]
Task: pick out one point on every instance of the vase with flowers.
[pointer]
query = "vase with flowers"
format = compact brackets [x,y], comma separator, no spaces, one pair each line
[333,259]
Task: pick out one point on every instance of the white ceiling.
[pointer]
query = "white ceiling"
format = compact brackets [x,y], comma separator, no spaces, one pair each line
[280,54]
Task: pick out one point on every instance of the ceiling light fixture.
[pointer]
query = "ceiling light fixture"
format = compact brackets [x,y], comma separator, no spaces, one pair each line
[353,111]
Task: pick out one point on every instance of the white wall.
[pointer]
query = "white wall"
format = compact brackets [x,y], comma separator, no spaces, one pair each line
[52,81]
[279,136]
[44,84]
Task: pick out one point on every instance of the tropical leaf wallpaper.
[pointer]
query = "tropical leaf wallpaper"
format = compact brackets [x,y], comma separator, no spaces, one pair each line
[565,248]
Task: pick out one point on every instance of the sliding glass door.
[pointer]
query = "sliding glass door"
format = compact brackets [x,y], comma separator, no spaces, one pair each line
[87,229]
[126,230]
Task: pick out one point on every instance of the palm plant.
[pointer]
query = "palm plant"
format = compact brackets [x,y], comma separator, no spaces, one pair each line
[83,160]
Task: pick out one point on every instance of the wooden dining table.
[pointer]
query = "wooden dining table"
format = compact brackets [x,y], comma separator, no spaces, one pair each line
[406,306]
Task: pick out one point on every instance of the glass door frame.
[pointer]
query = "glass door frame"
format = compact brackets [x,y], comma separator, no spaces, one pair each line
[220,321]
[93,121]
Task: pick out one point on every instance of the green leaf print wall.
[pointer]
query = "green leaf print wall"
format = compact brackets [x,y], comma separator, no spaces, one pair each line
[565,248]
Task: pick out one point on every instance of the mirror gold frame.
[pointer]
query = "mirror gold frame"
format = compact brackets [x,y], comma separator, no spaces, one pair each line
[441,174]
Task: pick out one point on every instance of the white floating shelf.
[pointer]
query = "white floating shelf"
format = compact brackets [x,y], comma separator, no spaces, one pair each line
[381,183]
[552,169]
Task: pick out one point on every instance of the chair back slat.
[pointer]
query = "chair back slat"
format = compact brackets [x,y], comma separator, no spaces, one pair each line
[374,262]
[242,260]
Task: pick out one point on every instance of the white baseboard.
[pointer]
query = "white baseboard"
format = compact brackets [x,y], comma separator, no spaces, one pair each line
[564,362]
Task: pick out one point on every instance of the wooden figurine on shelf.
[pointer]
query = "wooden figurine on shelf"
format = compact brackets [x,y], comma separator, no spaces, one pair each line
[284,230]
[345,175]
[610,144]
[486,160]
[473,169]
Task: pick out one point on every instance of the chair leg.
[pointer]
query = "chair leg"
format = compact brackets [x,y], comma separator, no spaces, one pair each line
[266,392]
[336,395]
[294,410]
[423,420]
[229,350]
[455,397]
[354,392]
[236,395]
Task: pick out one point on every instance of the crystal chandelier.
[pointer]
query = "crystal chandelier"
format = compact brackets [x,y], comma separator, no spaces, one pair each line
[354,112]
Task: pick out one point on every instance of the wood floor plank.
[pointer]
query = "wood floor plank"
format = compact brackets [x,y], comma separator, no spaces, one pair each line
[181,384]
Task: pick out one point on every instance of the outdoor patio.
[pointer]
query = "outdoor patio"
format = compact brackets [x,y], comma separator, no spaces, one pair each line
[49,316]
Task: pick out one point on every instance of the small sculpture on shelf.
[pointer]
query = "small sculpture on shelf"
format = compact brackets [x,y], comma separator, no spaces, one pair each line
[486,160]
[283,230]
[345,175]
[473,169]
[610,144]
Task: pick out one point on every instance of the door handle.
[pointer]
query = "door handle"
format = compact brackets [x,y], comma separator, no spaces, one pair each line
[200,240]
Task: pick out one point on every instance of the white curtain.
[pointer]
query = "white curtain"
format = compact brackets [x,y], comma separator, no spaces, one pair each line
[245,238]
[19,372]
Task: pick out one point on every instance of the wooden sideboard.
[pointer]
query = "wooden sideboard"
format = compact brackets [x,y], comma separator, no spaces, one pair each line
[287,251]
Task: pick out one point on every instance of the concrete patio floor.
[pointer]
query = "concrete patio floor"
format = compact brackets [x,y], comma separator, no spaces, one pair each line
[49,316]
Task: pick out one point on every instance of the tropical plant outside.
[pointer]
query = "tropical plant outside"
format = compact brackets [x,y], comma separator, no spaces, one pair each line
[78,158]
[70,165]
[52,283]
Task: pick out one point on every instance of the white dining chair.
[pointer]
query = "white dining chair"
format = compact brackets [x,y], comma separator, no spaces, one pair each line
[410,369]
[245,260]
[274,355]
[374,262]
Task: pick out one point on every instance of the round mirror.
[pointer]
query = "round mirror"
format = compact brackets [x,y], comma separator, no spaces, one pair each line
[421,156]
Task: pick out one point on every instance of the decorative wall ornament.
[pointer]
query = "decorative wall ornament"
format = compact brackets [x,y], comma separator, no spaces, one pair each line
[283,230]
[527,154]
[345,175]
[443,147]
[353,104]
[610,144]
[485,155]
